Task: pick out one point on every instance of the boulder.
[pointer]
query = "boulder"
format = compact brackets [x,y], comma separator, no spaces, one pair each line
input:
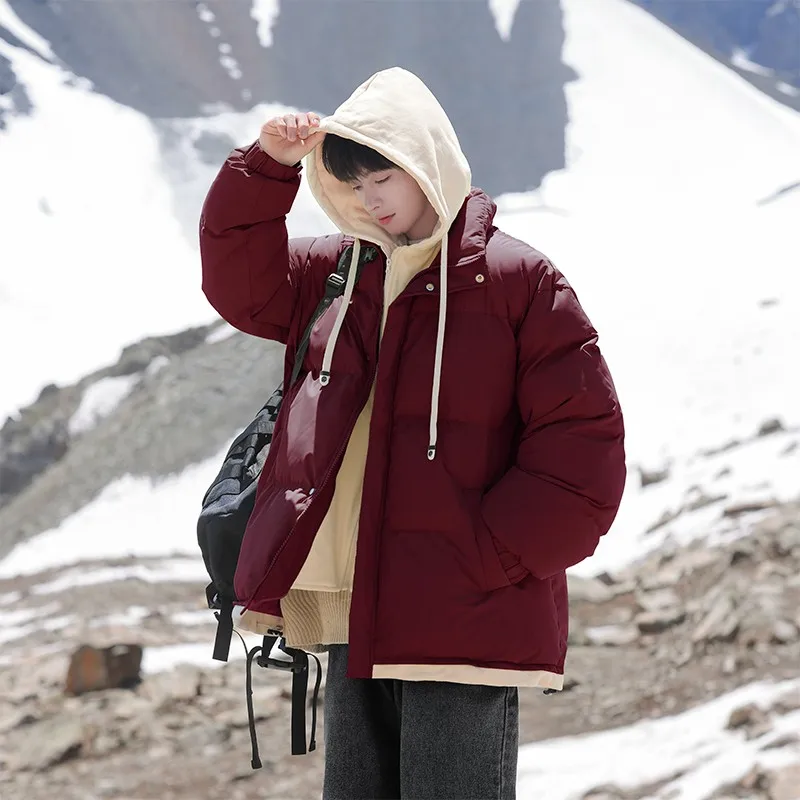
[93,669]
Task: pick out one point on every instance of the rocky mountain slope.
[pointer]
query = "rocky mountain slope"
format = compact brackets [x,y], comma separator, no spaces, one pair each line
[187,395]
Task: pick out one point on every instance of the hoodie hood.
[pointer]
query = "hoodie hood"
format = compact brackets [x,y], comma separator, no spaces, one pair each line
[394,113]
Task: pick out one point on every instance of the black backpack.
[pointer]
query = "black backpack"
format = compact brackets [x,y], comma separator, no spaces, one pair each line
[226,508]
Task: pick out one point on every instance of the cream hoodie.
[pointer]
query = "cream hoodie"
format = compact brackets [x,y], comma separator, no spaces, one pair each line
[394,113]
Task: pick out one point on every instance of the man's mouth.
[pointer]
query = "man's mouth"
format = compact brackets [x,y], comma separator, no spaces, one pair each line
[386,220]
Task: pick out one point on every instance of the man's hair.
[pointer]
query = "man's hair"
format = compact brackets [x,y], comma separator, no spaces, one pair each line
[348,161]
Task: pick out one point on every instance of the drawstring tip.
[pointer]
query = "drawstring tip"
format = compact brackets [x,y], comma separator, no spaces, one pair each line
[431,452]
[256,763]
[325,378]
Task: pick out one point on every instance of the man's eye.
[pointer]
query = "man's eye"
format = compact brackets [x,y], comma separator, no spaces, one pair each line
[383,180]
[356,188]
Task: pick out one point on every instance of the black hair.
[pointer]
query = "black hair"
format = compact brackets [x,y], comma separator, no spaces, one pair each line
[348,161]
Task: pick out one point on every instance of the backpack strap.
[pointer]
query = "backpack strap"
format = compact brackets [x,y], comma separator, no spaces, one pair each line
[297,663]
[224,615]
[334,287]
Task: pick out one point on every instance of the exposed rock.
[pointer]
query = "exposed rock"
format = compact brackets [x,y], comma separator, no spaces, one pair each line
[790,448]
[620,615]
[721,623]
[730,664]
[784,631]
[660,620]
[785,740]
[612,635]
[663,579]
[577,634]
[36,438]
[787,541]
[737,509]
[755,780]
[590,590]
[623,588]
[46,743]
[742,550]
[137,357]
[39,435]
[770,426]
[703,499]
[700,558]
[657,600]
[752,719]
[788,702]
[665,518]
[93,669]
[177,687]
[648,477]
[784,783]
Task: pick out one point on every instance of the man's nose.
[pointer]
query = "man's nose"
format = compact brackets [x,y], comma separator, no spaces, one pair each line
[372,199]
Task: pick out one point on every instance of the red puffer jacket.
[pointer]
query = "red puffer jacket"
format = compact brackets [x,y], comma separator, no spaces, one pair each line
[460,560]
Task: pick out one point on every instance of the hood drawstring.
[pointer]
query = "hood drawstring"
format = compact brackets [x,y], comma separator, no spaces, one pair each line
[327,359]
[437,364]
[325,373]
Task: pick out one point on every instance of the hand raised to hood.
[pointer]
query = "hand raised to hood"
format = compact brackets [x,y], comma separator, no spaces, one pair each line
[289,137]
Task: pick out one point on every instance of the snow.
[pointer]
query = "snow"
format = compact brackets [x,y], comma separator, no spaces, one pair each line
[660,224]
[16,27]
[99,400]
[504,12]
[94,257]
[220,334]
[159,659]
[28,621]
[694,743]
[265,12]
[130,618]
[156,365]
[202,616]
[787,88]
[131,517]
[9,619]
[168,571]
[741,59]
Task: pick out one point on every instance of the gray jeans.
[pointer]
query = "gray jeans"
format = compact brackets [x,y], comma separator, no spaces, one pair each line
[417,740]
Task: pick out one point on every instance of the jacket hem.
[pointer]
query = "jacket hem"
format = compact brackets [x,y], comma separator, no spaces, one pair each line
[466,673]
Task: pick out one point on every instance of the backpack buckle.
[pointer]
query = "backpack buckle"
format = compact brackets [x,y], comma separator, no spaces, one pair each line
[334,283]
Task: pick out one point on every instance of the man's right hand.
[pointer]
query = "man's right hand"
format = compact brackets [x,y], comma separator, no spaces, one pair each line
[290,137]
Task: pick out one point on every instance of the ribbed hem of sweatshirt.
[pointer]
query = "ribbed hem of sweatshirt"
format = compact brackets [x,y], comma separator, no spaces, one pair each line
[311,618]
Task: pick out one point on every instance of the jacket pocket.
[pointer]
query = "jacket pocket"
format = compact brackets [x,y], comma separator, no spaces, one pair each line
[500,567]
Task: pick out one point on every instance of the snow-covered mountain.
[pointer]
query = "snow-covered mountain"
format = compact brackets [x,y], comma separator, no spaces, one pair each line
[760,38]
[666,187]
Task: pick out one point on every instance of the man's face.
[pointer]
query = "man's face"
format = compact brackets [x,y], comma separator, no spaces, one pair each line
[396,202]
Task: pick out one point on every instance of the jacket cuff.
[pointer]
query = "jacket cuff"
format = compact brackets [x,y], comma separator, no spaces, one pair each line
[258,161]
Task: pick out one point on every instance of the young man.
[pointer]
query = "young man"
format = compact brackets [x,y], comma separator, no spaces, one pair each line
[453,444]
